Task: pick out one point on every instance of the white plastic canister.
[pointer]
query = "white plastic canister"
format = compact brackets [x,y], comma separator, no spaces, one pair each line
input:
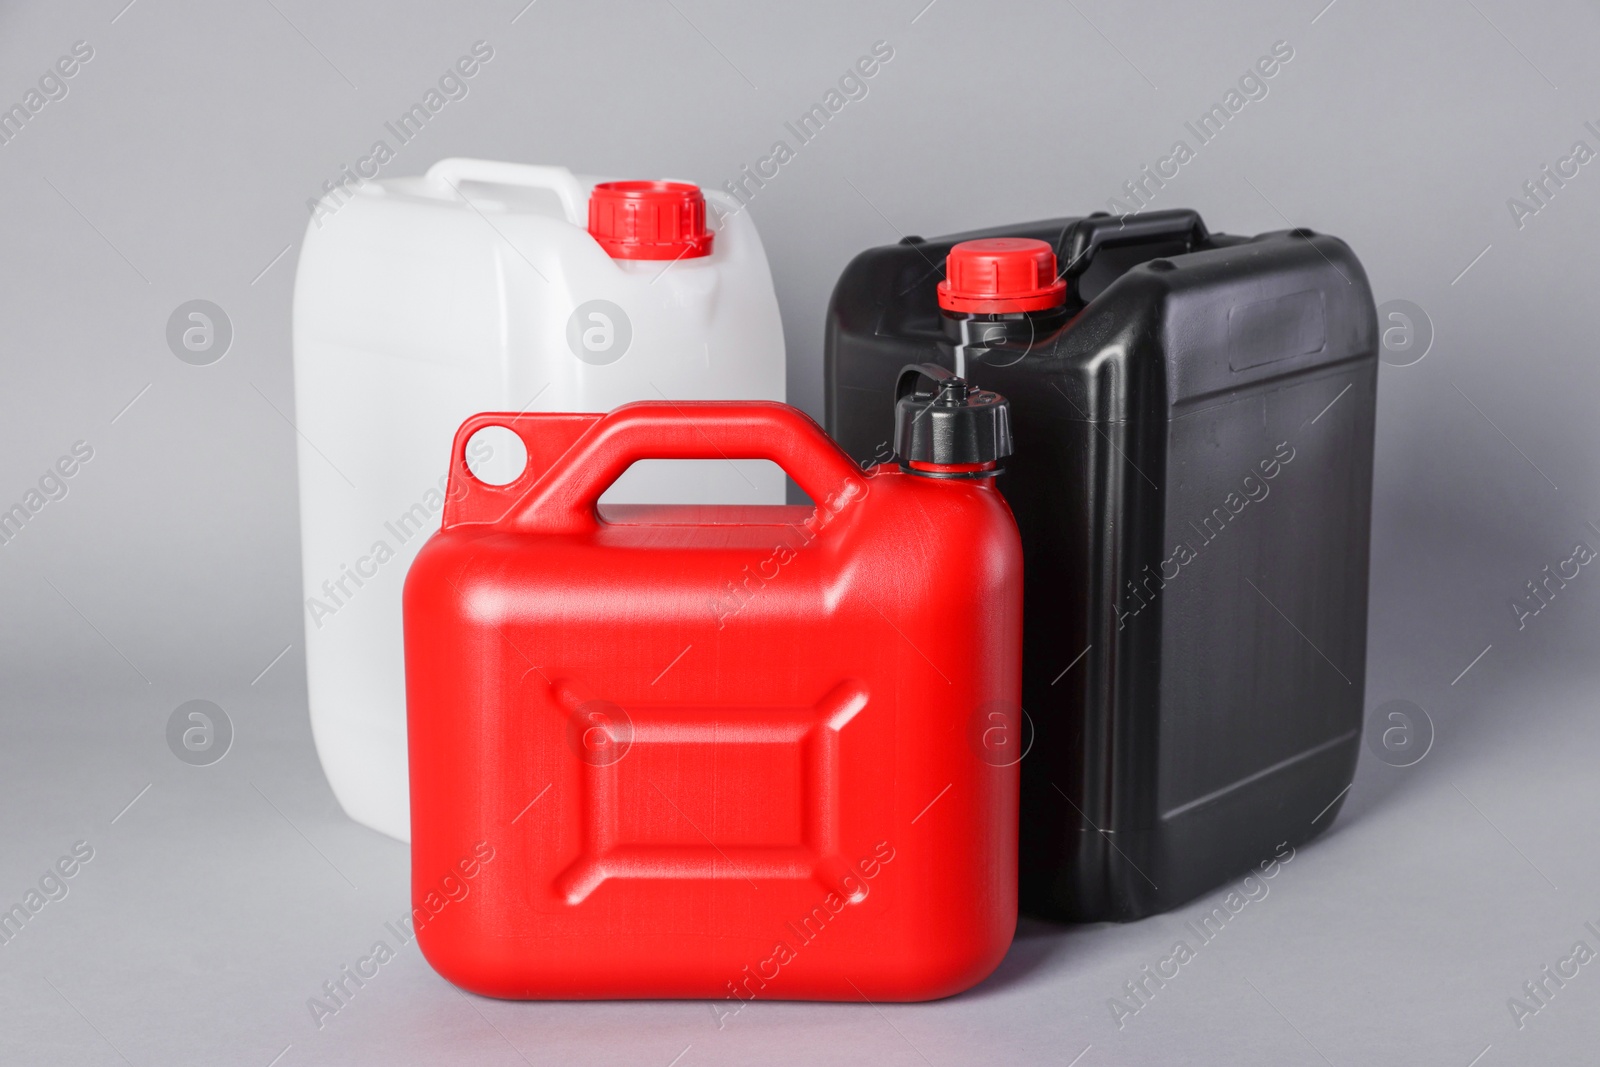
[490,286]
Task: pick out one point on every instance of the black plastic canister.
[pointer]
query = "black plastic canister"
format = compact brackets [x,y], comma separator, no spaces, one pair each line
[1193,415]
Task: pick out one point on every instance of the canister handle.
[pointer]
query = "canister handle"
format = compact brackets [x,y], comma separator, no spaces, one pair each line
[1087,236]
[559,180]
[580,456]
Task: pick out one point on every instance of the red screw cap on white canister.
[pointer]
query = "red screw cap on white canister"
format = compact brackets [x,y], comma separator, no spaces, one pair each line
[649,220]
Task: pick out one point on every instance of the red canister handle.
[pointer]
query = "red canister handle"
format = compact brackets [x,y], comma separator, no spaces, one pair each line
[574,459]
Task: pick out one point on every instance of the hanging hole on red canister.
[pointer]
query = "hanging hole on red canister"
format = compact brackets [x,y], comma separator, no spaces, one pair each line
[496,455]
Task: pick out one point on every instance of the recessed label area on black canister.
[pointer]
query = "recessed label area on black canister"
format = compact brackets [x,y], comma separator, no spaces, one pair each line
[1265,331]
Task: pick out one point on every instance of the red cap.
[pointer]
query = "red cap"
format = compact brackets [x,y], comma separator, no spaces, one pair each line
[649,220]
[998,275]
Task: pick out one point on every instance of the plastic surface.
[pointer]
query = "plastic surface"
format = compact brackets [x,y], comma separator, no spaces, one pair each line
[1087,236]
[419,301]
[998,275]
[1192,479]
[726,753]
[649,220]
[954,424]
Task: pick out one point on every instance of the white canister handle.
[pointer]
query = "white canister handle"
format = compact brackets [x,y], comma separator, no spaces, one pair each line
[559,180]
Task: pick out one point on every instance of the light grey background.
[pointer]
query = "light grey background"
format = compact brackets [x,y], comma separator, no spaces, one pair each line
[179,166]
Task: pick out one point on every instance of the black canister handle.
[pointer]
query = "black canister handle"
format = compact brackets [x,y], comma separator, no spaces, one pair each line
[1087,236]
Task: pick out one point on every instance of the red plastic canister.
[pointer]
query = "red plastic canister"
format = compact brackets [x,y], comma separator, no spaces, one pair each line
[720,752]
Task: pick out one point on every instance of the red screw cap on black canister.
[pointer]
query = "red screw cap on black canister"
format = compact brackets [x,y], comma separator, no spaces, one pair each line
[1001,275]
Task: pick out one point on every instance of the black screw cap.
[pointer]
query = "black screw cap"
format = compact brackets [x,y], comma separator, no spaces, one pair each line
[951,424]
